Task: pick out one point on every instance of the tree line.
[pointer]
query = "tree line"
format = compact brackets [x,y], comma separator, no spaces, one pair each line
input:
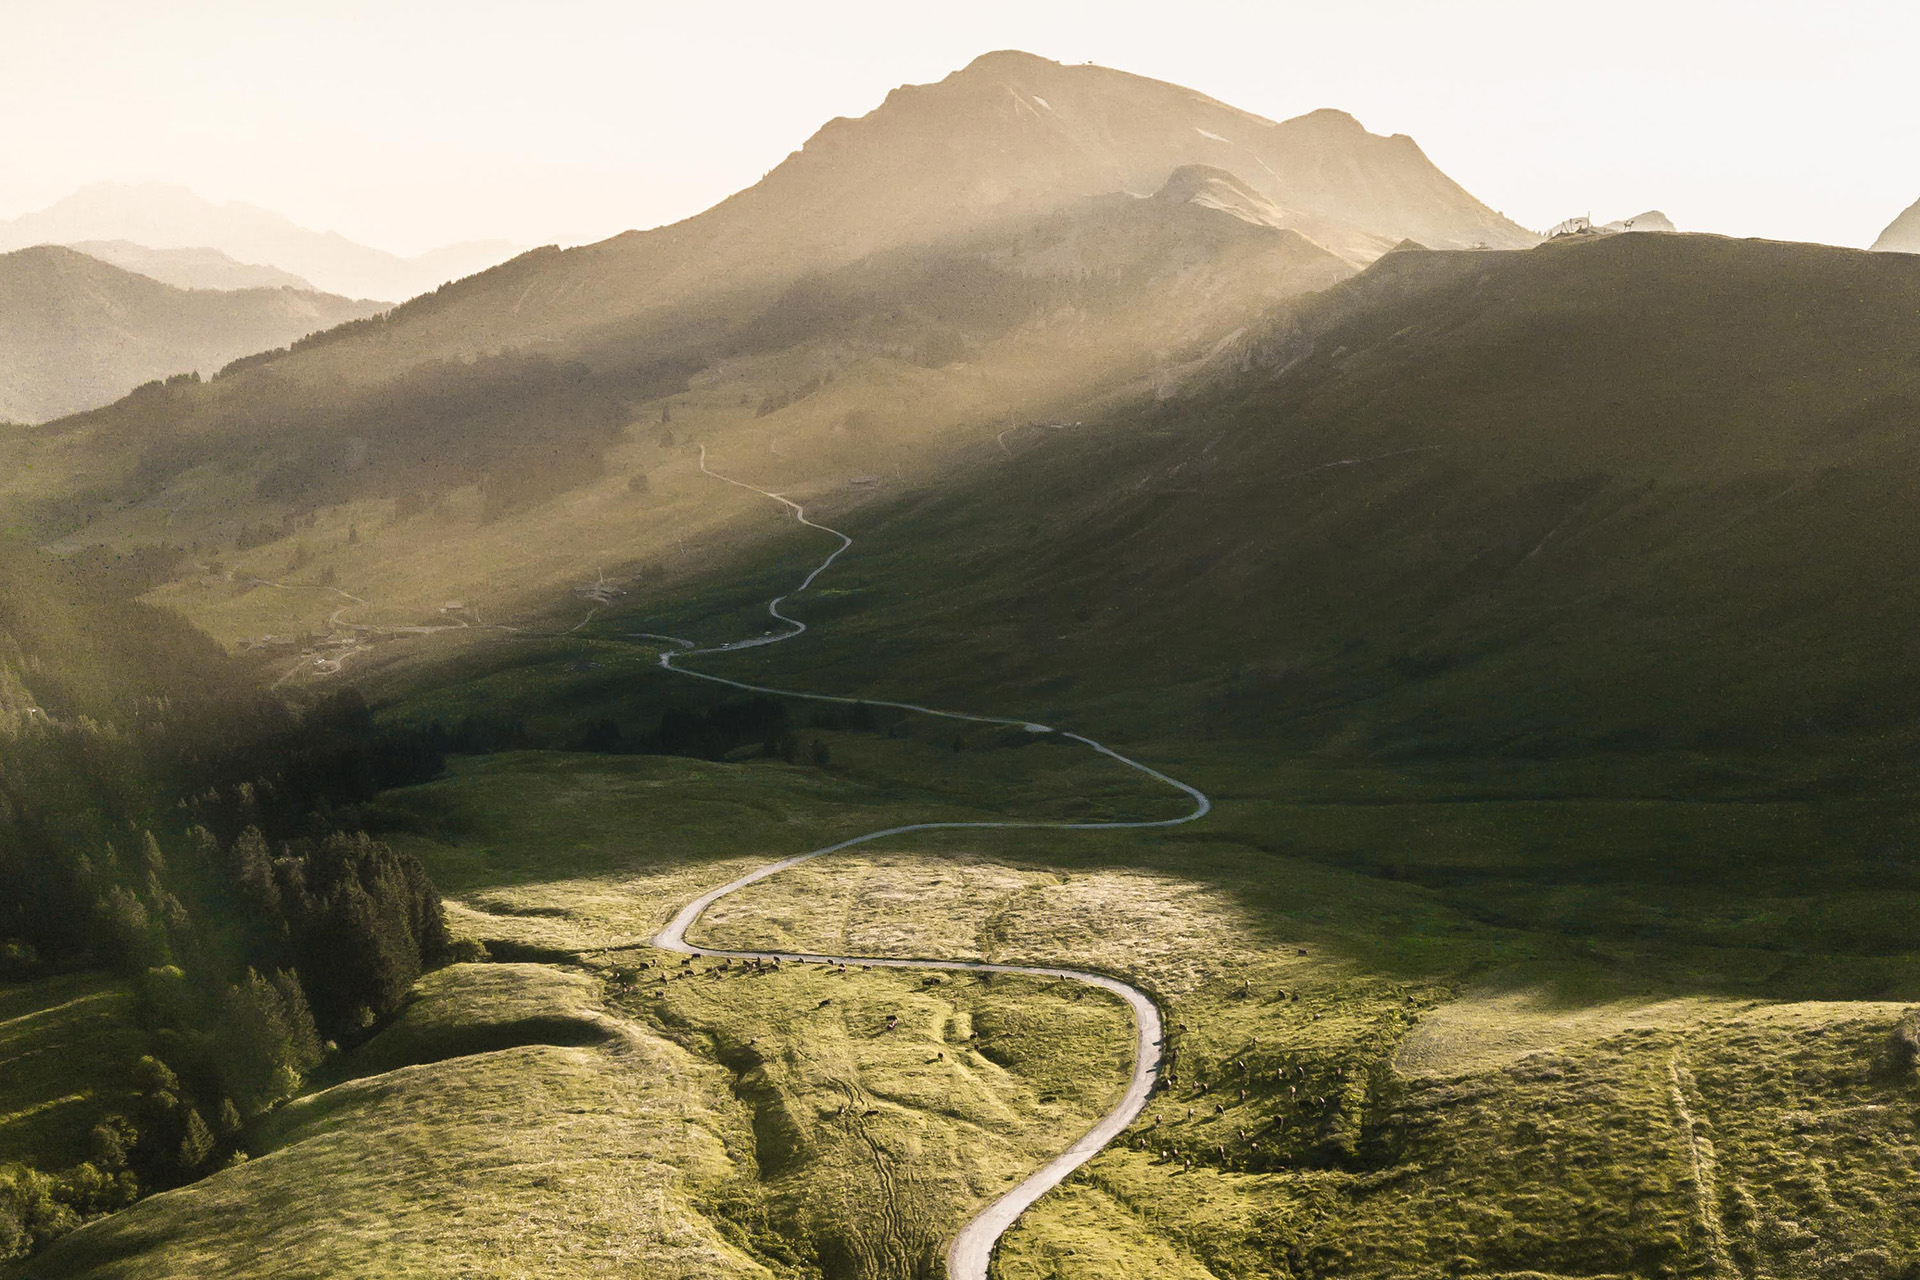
[163,819]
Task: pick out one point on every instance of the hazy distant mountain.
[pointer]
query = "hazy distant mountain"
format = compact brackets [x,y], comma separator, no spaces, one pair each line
[76,332]
[1651,220]
[190,268]
[1903,233]
[170,217]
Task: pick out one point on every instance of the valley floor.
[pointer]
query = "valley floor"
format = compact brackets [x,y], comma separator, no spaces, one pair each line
[1413,1029]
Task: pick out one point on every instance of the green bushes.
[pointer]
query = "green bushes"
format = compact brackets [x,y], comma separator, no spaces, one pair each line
[37,1208]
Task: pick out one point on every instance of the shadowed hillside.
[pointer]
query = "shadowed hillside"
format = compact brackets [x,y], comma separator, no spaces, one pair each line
[1514,502]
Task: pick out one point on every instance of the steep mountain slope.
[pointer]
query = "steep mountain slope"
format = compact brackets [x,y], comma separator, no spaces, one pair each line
[76,332]
[1524,504]
[190,268]
[169,217]
[1903,233]
[490,481]
[1007,140]
[1009,135]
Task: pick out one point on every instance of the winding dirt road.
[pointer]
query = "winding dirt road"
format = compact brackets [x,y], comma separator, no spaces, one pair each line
[972,1249]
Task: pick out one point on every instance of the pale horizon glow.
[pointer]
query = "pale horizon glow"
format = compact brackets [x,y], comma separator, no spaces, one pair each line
[412,125]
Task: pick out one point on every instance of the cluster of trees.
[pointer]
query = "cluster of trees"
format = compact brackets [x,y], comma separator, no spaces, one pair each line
[162,818]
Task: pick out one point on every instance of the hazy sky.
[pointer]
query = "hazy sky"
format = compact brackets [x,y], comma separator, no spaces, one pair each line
[412,123]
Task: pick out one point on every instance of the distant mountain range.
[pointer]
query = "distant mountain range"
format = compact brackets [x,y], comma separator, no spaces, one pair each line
[76,332]
[1903,233]
[159,216]
[190,268]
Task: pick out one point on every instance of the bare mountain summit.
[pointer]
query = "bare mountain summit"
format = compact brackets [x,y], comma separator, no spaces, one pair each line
[1903,233]
[1009,136]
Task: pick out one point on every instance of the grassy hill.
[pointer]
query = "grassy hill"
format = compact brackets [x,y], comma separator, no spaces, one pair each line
[77,332]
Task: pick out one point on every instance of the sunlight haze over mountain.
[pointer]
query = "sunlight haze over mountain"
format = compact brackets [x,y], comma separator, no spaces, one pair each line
[411,126]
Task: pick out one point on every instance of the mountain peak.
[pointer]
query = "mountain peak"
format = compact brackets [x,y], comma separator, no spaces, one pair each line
[1211,187]
[1902,234]
[1005,60]
[1331,118]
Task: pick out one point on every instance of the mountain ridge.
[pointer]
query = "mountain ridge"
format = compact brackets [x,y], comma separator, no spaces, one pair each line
[77,332]
[1009,135]
[168,216]
[191,267]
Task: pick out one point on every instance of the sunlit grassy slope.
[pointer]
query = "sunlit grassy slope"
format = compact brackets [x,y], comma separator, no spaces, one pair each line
[67,1047]
[275,509]
[532,1120]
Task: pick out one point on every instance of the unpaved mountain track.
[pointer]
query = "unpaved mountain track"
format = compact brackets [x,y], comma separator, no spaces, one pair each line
[972,1249]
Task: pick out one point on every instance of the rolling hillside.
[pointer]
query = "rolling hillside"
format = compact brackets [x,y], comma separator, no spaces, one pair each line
[76,332]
